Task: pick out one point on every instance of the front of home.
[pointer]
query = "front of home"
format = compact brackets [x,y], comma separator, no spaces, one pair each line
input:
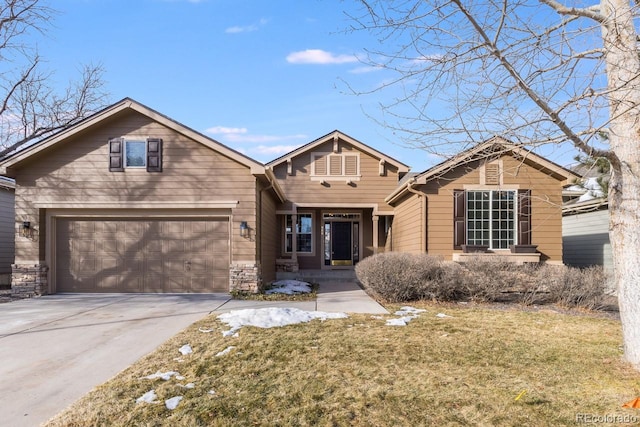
[129,200]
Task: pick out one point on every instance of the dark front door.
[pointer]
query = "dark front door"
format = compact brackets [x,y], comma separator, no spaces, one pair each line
[341,243]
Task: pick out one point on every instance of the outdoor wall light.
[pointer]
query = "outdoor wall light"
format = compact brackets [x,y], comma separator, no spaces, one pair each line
[244,229]
[25,230]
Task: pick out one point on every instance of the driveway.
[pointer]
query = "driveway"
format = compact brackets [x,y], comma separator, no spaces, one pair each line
[54,349]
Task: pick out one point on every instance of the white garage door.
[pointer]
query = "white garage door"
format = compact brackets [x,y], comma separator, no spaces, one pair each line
[133,255]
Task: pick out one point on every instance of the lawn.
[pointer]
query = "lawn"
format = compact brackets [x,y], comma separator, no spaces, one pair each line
[478,366]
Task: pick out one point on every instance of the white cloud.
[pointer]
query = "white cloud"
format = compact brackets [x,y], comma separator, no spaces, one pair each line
[364,70]
[319,56]
[274,150]
[246,28]
[217,130]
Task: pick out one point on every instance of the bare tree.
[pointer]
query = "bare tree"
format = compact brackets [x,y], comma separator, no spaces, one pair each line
[536,71]
[30,106]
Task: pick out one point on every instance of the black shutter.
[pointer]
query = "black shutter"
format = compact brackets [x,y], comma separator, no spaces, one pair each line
[154,155]
[524,217]
[459,223]
[116,155]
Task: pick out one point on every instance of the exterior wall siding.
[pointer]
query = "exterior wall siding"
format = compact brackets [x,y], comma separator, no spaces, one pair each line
[7,230]
[370,189]
[407,220]
[77,171]
[546,205]
[585,238]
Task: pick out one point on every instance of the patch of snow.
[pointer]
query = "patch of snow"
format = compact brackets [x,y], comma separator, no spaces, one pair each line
[185,349]
[289,287]
[205,330]
[211,392]
[148,397]
[407,314]
[164,375]
[179,377]
[225,351]
[442,315]
[272,317]
[172,403]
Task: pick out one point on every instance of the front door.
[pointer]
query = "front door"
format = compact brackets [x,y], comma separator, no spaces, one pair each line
[341,239]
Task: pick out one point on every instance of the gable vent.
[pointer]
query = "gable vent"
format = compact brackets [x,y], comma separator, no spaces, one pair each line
[350,165]
[492,174]
[321,165]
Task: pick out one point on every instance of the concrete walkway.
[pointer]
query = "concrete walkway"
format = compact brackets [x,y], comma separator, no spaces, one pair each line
[56,348]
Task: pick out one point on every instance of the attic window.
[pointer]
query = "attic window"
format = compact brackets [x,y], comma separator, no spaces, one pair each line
[135,154]
[331,166]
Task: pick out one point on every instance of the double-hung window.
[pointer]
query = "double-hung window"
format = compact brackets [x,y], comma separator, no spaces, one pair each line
[304,233]
[491,218]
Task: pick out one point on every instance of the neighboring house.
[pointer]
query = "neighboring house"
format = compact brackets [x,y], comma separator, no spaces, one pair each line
[7,228]
[489,198]
[129,200]
[585,225]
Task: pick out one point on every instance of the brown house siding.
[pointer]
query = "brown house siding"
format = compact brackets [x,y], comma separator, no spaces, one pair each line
[546,204]
[406,228]
[268,233]
[371,188]
[77,171]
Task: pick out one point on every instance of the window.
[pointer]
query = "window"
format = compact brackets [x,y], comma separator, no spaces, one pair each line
[335,166]
[491,218]
[135,153]
[304,232]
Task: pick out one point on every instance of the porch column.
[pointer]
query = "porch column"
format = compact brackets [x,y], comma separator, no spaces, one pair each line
[294,237]
[375,233]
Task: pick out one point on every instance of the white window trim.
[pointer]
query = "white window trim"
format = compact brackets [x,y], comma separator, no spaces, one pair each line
[313,237]
[342,177]
[515,211]
[127,140]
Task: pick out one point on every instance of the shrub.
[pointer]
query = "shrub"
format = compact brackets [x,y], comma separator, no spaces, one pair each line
[575,287]
[398,277]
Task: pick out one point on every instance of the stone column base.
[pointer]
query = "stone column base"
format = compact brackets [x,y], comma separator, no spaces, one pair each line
[245,277]
[29,280]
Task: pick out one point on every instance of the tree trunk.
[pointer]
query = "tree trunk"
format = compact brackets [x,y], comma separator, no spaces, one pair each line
[623,74]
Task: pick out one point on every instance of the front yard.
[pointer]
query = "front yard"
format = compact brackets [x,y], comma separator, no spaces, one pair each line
[451,365]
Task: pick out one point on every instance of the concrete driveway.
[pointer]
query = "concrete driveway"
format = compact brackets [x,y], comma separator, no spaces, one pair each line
[54,349]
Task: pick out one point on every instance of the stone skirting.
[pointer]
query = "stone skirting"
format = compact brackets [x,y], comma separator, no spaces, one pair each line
[245,277]
[287,265]
[29,280]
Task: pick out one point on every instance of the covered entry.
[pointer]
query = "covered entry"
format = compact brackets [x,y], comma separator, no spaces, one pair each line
[142,255]
[341,233]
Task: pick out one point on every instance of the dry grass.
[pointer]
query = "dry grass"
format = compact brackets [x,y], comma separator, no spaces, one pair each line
[462,370]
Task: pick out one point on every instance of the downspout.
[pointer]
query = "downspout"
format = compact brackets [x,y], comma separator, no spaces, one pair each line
[423,213]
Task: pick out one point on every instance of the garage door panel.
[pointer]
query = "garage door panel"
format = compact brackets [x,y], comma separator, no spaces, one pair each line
[135,255]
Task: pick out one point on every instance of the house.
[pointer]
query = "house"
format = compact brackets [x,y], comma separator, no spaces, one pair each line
[129,200]
[7,221]
[496,197]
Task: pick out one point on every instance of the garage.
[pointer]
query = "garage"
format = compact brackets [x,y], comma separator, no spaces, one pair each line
[142,255]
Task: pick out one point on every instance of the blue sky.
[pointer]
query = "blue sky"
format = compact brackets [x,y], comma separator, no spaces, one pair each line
[262,77]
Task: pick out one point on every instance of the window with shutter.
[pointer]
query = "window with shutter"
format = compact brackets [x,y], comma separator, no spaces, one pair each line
[154,155]
[116,155]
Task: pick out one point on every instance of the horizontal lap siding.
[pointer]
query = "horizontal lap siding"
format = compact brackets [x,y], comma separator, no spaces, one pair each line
[7,230]
[406,223]
[546,193]
[77,170]
[370,189]
[585,239]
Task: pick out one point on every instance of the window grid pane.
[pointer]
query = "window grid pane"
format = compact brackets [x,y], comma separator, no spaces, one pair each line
[304,229]
[491,218]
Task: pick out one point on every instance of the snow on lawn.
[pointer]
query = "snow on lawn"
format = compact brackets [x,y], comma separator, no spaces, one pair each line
[164,375]
[407,314]
[289,287]
[185,349]
[225,351]
[148,397]
[272,317]
[172,403]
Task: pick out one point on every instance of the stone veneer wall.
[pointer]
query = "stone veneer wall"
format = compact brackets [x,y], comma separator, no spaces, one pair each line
[29,280]
[245,277]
